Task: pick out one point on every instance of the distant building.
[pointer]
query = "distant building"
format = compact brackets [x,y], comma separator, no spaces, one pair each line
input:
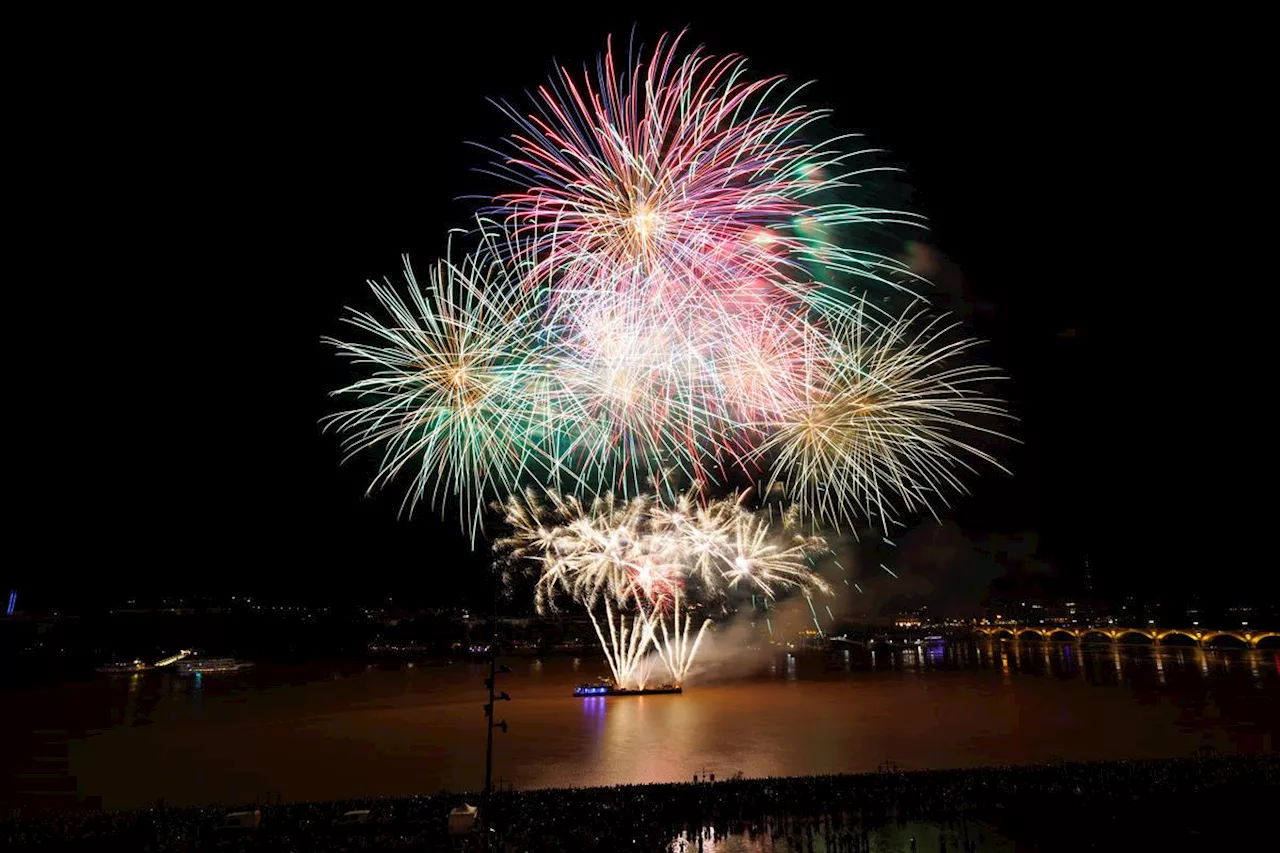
[911,619]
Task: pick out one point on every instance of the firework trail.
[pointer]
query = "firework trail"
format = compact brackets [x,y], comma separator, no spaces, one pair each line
[624,652]
[674,649]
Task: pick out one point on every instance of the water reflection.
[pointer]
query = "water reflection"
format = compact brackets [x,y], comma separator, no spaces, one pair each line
[891,836]
[1097,664]
[593,708]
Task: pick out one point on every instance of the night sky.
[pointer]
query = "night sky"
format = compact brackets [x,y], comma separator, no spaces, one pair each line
[222,211]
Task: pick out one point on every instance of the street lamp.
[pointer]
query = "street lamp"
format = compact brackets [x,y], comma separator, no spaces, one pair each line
[503,696]
[494,671]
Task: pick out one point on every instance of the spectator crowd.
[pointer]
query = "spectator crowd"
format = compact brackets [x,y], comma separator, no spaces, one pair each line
[1061,806]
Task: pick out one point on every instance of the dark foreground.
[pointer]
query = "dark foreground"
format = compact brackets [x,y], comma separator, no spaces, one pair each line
[1180,804]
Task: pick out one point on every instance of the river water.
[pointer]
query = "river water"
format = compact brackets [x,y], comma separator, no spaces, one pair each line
[329,731]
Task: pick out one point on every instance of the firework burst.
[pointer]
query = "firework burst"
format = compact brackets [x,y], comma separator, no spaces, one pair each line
[640,559]
[683,225]
[675,290]
[887,423]
[450,398]
[684,169]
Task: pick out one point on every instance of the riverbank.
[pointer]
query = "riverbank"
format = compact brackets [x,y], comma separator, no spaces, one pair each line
[1179,804]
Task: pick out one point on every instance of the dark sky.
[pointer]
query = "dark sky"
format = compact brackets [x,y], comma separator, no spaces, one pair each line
[210,207]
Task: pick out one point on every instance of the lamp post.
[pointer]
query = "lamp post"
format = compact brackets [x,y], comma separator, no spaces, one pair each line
[490,723]
[501,724]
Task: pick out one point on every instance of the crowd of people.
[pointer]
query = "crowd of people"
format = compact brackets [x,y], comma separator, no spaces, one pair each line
[808,814]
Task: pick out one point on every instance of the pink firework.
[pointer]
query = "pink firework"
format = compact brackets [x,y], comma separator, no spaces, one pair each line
[670,209]
[681,169]
[668,169]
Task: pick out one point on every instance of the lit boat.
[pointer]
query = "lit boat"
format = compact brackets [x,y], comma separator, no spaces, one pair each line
[192,666]
[609,689]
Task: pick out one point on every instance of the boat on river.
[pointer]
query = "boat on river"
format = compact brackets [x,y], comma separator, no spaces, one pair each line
[608,688]
[200,666]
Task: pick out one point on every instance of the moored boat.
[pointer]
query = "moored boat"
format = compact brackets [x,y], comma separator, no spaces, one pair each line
[192,666]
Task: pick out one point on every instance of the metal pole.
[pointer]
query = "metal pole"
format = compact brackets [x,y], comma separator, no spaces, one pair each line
[489,718]
[488,747]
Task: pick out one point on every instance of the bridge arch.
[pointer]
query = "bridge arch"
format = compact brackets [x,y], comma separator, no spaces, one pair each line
[1232,635]
[1095,635]
[1174,632]
[1134,632]
[996,632]
[1271,638]
[1033,631]
[1062,633]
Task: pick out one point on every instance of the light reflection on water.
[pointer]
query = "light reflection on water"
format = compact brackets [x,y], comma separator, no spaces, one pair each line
[397,730]
[892,836]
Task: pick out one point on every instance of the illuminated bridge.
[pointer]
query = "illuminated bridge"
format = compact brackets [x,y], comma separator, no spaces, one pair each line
[1114,634]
